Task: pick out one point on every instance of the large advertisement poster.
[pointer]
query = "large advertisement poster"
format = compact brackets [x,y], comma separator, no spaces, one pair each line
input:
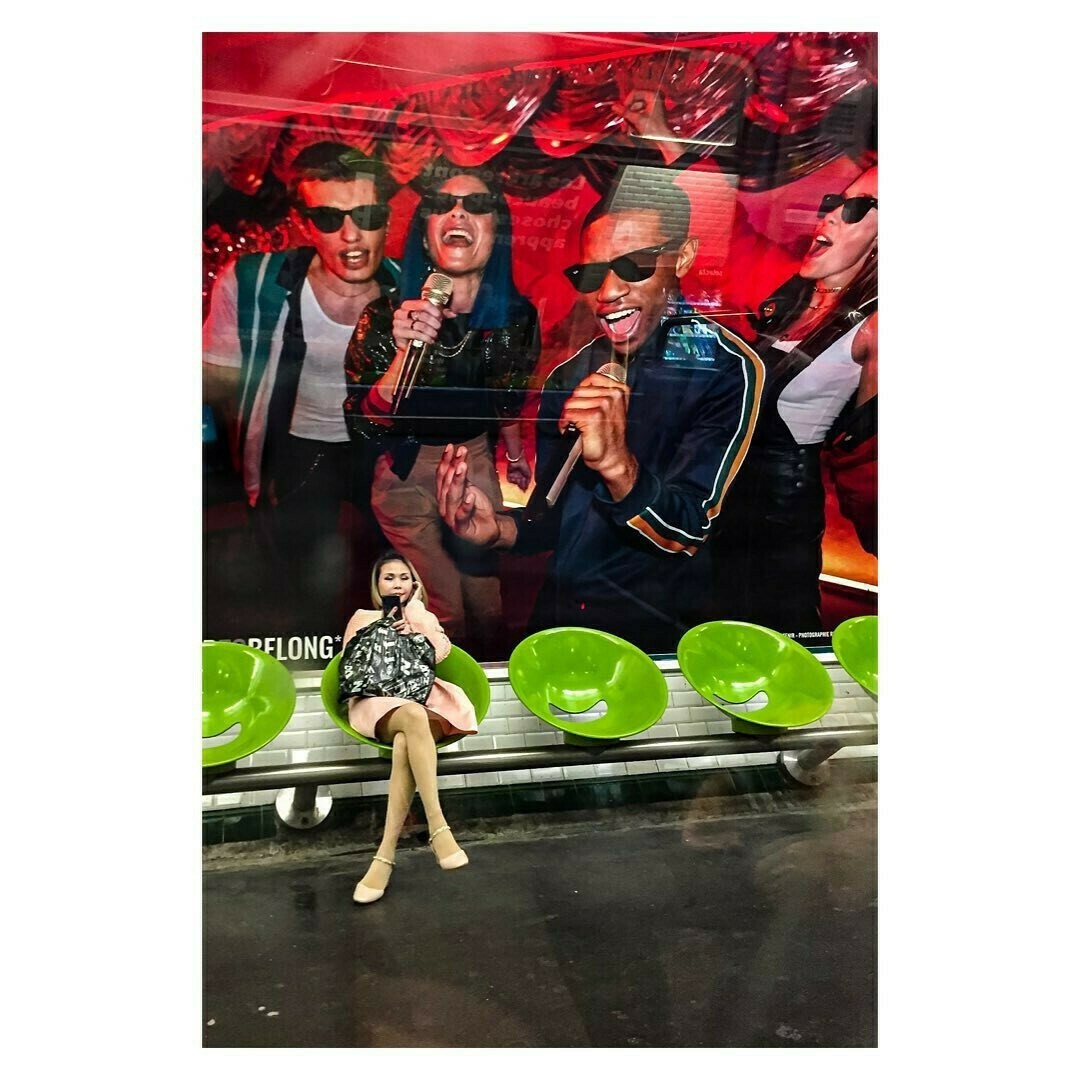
[584,329]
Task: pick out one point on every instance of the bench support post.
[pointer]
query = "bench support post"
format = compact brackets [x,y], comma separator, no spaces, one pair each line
[808,767]
[304,806]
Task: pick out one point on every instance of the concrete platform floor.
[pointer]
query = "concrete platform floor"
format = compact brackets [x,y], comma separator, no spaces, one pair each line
[752,924]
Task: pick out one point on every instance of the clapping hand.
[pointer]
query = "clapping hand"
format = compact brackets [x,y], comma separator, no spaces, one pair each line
[462,505]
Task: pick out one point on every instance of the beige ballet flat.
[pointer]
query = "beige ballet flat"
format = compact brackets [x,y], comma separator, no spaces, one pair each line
[362,894]
[451,862]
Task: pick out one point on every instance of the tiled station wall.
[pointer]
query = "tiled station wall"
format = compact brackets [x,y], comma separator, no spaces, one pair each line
[312,736]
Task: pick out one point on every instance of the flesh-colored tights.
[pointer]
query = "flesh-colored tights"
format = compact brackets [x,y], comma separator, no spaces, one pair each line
[413,768]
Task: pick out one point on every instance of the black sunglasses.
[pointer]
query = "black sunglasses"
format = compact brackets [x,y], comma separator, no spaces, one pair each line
[477,202]
[856,207]
[329,219]
[632,267]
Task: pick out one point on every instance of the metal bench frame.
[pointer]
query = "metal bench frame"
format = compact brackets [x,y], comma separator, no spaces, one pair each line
[803,756]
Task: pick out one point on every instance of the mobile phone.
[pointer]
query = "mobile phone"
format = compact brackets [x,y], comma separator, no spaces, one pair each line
[390,604]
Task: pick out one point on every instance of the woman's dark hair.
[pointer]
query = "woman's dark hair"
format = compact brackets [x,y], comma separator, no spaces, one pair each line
[498,303]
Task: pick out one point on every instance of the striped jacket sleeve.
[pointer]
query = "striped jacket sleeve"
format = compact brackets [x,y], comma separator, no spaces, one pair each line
[674,511]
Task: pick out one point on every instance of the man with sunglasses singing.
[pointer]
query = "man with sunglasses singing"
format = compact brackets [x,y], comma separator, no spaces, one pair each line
[658,451]
[278,327]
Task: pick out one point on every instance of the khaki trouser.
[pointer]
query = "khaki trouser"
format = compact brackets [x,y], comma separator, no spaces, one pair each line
[460,578]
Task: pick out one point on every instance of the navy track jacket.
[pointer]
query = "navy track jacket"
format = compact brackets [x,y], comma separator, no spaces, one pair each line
[641,567]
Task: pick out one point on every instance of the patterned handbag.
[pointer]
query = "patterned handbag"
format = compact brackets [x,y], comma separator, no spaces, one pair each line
[379,662]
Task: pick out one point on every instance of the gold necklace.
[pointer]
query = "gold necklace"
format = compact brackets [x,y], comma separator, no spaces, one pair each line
[446,353]
[819,295]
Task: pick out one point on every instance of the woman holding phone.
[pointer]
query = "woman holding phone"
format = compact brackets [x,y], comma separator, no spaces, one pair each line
[395,647]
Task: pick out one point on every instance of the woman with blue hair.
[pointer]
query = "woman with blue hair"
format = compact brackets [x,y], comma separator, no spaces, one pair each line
[482,347]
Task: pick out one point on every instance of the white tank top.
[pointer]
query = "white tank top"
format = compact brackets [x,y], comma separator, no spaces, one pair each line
[321,392]
[813,399]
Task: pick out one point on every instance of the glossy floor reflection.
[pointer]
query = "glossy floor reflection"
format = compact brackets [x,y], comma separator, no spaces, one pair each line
[751,930]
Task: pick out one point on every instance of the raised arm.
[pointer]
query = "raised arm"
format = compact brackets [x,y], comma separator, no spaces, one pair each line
[368,356]
[673,511]
[427,622]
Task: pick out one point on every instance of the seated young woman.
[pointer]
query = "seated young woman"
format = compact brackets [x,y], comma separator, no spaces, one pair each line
[372,661]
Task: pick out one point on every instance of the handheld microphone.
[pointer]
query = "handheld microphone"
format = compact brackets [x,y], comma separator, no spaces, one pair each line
[437,291]
[615,372]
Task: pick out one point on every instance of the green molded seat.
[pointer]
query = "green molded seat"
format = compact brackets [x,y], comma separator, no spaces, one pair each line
[246,687]
[728,663]
[574,669]
[458,667]
[854,642]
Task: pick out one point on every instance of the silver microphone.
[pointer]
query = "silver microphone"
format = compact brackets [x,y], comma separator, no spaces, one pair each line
[437,291]
[615,372]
